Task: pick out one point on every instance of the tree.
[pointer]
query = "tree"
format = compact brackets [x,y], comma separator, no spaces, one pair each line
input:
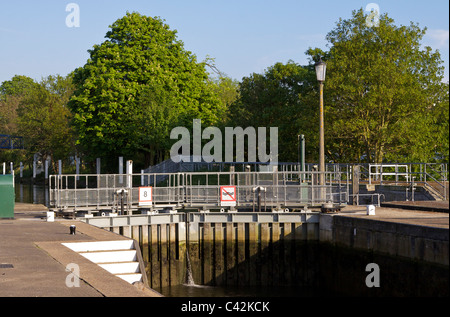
[227,90]
[138,83]
[380,92]
[43,119]
[11,94]
[281,97]
[16,87]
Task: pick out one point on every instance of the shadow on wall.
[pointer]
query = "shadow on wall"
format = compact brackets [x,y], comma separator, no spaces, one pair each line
[280,254]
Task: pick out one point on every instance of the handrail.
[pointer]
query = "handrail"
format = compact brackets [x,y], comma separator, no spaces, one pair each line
[191,189]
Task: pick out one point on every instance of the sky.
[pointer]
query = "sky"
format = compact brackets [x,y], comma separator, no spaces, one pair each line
[243,36]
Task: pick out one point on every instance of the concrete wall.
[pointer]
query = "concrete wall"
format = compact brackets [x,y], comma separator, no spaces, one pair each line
[265,254]
[328,257]
[396,239]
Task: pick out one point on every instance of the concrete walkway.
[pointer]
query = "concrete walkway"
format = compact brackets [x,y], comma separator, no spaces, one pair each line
[399,214]
[33,261]
[438,206]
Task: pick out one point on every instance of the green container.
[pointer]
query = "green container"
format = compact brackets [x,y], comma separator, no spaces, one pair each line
[7,196]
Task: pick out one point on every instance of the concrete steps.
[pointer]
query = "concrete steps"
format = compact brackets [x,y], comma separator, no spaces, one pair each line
[117,257]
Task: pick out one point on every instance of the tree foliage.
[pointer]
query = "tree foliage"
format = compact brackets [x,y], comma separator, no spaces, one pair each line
[279,98]
[43,119]
[381,93]
[137,85]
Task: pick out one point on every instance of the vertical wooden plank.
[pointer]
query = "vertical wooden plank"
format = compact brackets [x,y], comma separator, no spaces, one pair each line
[253,254]
[265,239]
[207,253]
[145,251]
[154,257]
[219,254]
[173,276]
[182,265]
[126,231]
[241,267]
[164,256]
[135,234]
[230,255]
[287,244]
[300,239]
[310,231]
[194,251]
[275,253]
[116,230]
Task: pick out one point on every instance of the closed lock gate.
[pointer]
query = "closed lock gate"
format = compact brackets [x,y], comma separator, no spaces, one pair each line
[257,191]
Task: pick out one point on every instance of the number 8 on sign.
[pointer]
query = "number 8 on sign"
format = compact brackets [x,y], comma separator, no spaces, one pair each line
[145,196]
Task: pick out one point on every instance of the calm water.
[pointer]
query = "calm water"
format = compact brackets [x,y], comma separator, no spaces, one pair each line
[235,291]
[31,194]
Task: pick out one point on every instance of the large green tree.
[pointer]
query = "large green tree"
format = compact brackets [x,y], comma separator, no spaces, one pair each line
[137,85]
[383,93]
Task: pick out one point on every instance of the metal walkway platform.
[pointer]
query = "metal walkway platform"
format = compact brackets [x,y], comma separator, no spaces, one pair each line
[254,191]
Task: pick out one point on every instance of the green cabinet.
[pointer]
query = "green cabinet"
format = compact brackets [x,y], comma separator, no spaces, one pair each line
[7,196]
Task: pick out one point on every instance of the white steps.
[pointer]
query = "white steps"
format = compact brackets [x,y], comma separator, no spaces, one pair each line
[117,257]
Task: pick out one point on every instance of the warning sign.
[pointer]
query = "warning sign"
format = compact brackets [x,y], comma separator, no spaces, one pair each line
[145,196]
[228,195]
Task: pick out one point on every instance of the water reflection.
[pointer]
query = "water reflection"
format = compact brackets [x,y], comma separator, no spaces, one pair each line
[32,194]
[236,291]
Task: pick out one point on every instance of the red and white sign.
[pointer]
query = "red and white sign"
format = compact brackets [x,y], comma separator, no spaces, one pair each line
[145,196]
[228,195]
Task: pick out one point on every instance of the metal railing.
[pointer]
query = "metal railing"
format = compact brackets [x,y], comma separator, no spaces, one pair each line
[432,176]
[257,190]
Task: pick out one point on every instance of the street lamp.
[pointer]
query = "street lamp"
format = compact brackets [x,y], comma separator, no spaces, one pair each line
[321,68]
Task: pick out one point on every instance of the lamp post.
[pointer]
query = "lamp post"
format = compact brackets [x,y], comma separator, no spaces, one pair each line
[320,73]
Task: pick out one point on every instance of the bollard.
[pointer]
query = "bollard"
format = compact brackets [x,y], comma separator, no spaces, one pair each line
[50,216]
[370,210]
[73,229]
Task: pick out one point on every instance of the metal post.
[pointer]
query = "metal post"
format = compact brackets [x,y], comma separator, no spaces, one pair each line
[34,166]
[129,185]
[301,154]
[120,169]
[121,203]
[98,165]
[355,184]
[77,167]
[259,198]
[129,171]
[321,140]
[46,169]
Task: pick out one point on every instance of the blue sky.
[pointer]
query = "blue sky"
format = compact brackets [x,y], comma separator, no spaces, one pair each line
[243,36]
